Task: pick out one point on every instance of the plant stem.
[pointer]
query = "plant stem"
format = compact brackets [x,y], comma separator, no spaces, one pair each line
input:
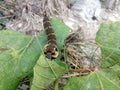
[56,84]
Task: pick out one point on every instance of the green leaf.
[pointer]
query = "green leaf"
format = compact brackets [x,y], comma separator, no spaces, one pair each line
[18,55]
[100,80]
[9,39]
[108,40]
[45,72]
[61,31]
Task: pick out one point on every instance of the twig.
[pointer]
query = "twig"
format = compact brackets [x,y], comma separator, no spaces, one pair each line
[6,16]
[4,8]
[82,70]
[74,74]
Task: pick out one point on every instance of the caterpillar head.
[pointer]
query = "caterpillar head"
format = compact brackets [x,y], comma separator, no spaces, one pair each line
[51,51]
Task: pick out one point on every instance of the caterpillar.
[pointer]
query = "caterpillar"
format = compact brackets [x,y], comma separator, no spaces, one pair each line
[51,48]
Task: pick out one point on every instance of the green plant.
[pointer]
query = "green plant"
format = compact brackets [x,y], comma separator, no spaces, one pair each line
[21,56]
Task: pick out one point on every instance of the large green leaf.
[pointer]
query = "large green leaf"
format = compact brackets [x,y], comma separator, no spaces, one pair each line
[45,72]
[108,38]
[9,39]
[101,80]
[18,54]
[61,31]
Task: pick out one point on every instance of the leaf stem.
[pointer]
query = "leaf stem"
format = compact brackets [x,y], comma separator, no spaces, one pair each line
[56,84]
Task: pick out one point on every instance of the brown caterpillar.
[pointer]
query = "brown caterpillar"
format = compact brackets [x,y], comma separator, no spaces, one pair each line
[50,49]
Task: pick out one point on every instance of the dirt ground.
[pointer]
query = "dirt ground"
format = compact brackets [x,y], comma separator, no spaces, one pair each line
[85,14]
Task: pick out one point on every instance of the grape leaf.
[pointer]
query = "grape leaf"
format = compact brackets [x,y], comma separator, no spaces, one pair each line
[108,40]
[108,79]
[45,72]
[61,31]
[18,54]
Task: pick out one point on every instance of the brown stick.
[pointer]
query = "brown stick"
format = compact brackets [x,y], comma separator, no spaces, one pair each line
[82,70]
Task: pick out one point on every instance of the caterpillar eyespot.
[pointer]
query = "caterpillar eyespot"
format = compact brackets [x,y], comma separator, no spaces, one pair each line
[55,49]
[50,49]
